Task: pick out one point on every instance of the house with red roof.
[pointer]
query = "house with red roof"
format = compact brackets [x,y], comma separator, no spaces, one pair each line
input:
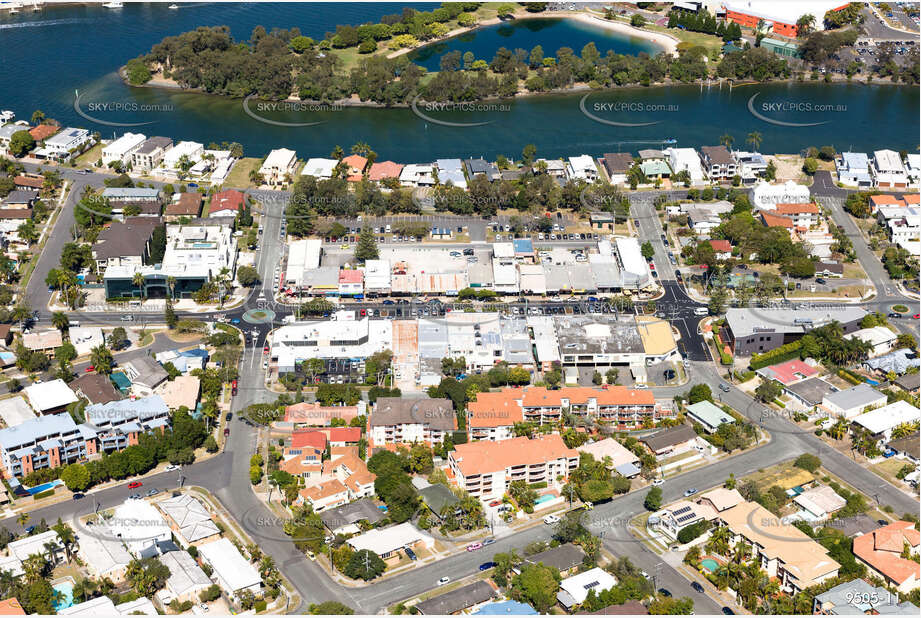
[43,131]
[804,216]
[309,438]
[882,550]
[351,282]
[356,167]
[226,203]
[384,169]
[722,249]
[772,220]
[788,373]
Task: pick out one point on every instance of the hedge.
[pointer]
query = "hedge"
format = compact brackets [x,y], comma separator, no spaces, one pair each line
[43,494]
[777,355]
[850,377]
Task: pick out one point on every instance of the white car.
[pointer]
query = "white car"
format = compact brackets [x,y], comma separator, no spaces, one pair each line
[443,581]
[551,519]
[171,468]
[658,482]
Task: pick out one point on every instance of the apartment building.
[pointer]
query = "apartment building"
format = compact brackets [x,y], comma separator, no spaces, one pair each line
[278,168]
[492,416]
[888,170]
[43,442]
[406,421]
[118,424]
[122,149]
[485,469]
[718,163]
[150,153]
[615,404]
[803,216]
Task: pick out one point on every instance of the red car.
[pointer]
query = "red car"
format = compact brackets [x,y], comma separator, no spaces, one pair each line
[363,312]
[916,316]
[233,388]
[90,369]
[227,431]
[134,484]
[495,503]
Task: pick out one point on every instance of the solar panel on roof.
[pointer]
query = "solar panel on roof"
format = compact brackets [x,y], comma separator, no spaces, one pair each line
[685,518]
[683,509]
[591,585]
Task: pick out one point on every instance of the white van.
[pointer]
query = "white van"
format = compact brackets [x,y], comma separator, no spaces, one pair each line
[701,311]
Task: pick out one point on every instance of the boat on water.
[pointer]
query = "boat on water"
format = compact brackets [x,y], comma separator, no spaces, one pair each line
[7,116]
[114,5]
[173,7]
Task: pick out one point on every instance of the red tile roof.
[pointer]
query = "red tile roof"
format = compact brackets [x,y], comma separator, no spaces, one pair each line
[882,549]
[384,169]
[342,434]
[721,246]
[486,457]
[495,409]
[347,275]
[776,221]
[793,209]
[226,200]
[885,200]
[43,131]
[790,371]
[29,181]
[308,437]
[912,198]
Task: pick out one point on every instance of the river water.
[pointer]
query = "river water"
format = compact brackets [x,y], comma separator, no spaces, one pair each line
[45,57]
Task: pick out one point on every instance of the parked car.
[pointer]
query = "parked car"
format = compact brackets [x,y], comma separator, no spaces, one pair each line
[474,546]
[134,484]
[78,496]
[551,519]
[487,565]
[658,482]
[153,492]
[410,553]
[697,587]
[728,611]
[488,542]
[724,387]
[690,492]
[170,468]
[495,503]
[665,592]
[443,581]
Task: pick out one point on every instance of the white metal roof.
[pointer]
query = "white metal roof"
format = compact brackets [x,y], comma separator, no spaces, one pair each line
[385,540]
[230,565]
[888,417]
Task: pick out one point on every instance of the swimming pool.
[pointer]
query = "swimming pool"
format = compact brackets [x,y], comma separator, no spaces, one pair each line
[44,487]
[545,498]
[710,564]
[65,596]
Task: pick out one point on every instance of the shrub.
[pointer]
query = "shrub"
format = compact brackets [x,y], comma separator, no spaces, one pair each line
[686,535]
[260,605]
[808,461]
[43,494]
[777,355]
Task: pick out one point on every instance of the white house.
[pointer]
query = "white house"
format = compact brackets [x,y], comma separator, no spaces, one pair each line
[36,544]
[192,151]
[232,572]
[686,159]
[574,590]
[386,541]
[122,149]
[881,421]
[85,338]
[64,142]
[278,166]
[881,338]
[888,170]
[913,168]
[818,504]
[418,175]
[767,196]
[140,527]
[319,168]
[854,169]
[853,401]
[583,167]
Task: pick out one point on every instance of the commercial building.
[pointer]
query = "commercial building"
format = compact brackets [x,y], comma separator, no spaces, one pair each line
[779,17]
[485,469]
[400,421]
[749,331]
[342,336]
[232,572]
[303,257]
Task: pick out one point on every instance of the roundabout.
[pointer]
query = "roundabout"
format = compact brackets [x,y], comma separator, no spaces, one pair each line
[259,316]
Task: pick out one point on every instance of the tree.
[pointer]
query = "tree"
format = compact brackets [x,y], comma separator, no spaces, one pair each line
[101,359]
[329,608]
[767,391]
[247,276]
[365,564]
[169,315]
[647,250]
[699,392]
[808,461]
[754,139]
[367,246]
[147,575]
[118,338]
[60,321]
[536,585]
[75,477]
[637,20]
[653,501]
[21,142]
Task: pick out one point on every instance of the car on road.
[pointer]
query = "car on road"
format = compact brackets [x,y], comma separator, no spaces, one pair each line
[487,565]
[410,553]
[488,542]
[474,546]
[127,318]
[916,316]
[170,468]
[697,587]
[728,611]
[443,581]
[551,519]
[235,321]
[724,387]
[90,369]
[893,314]
[136,497]
[226,431]
[78,496]
[690,492]
[665,592]
[153,492]
[658,482]
[134,484]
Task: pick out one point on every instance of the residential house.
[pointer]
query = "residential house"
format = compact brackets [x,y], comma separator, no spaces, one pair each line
[485,469]
[818,504]
[708,415]
[387,542]
[617,165]
[321,169]
[150,153]
[45,341]
[345,519]
[324,494]
[789,372]
[565,558]
[556,169]
[278,168]
[612,452]
[859,597]
[383,170]
[145,374]
[888,170]
[910,382]
[574,590]
[906,448]
[482,166]
[685,160]
[183,205]
[851,402]
[913,169]
[806,395]
[881,339]
[396,421]
[677,516]
[49,397]
[43,131]
[750,165]
[63,145]
[880,422]
[457,600]
[186,580]
[582,167]
[804,216]
[140,526]
[182,155]
[671,441]
[226,203]
[418,175]
[20,199]
[703,222]
[355,167]
[189,520]
[718,163]
[104,556]
[46,544]
[29,183]
[120,151]
[125,243]
[451,171]
[722,249]
[655,169]
[232,572]
[766,196]
[854,169]
[147,201]
[882,550]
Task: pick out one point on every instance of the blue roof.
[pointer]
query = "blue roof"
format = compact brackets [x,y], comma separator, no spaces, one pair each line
[36,429]
[510,608]
[523,245]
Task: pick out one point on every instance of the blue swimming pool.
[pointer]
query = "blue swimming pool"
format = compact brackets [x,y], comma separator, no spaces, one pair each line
[44,487]
[65,595]
[545,498]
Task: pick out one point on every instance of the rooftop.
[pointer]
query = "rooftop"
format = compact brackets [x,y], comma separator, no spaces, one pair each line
[746,321]
[882,550]
[484,457]
[458,599]
[437,413]
[230,564]
[789,372]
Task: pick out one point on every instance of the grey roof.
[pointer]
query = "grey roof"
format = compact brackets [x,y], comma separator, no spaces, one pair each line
[7,130]
[130,193]
[617,162]
[456,600]
[185,574]
[909,445]
[351,513]
[437,413]
[669,437]
[96,388]
[128,238]
[149,372]
[571,333]
[36,429]
[563,557]
[130,410]
[857,597]
[152,143]
[449,165]
[627,470]
[854,525]
[718,155]
[855,397]
[909,381]
[746,321]
[437,497]
[651,153]
[898,361]
[482,166]
[20,196]
[811,391]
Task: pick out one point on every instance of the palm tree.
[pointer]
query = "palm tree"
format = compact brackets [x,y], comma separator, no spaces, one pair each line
[805,25]
[254,551]
[171,284]
[101,359]
[337,153]
[34,567]
[60,321]
[719,541]
[21,313]
[838,430]
[255,177]
[361,148]
[223,279]
[138,281]
[754,138]
[726,140]
[22,519]
[67,538]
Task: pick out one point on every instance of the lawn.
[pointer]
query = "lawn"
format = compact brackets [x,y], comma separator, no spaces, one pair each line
[90,157]
[777,475]
[239,174]
[888,469]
